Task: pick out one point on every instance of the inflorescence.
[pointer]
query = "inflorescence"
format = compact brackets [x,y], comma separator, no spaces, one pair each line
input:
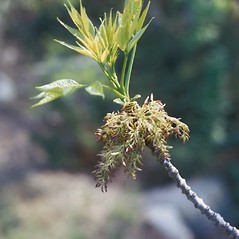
[126,133]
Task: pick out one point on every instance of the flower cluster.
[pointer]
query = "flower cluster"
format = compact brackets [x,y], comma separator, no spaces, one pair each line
[126,133]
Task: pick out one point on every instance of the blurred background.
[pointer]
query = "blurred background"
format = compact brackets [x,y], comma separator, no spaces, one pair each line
[189,59]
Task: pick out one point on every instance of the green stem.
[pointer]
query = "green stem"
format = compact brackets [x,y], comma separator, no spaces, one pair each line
[120,95]
[122,79]
[110,76]
[128,75]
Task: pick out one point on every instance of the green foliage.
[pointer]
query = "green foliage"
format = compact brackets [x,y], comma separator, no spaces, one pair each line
[121,32]
[55,90]
[96,89]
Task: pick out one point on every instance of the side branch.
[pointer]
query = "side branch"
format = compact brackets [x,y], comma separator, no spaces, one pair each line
[198,203]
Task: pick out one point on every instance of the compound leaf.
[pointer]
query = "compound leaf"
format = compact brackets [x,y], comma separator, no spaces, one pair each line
[96,89]
[55,90]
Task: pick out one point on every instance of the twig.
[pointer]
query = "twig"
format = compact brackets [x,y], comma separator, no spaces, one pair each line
[198,203]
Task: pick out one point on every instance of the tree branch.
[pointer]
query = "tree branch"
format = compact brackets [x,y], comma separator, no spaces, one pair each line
[198,203]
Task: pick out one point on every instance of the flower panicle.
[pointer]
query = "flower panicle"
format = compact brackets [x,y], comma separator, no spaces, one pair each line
[126,133]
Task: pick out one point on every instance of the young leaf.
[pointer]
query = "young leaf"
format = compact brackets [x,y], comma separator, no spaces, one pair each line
[122,33]
[136,97]
[55,90]
[136,7]
[136,37]
[76,33]
[46,97]
[142,17]
[75,16]
[96,89]
[81,49]
[60,85]
[118,101]
[87,24]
